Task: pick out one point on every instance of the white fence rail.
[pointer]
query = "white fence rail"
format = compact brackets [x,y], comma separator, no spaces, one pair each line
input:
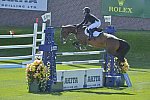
[16,36]
[33,46]
[16,46]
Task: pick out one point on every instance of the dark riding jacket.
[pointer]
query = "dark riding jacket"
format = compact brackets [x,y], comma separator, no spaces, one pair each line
[88,18]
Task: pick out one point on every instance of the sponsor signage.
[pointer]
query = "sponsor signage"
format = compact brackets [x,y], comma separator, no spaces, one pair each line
[76,79]
[94,78]
[46,17]
[40,5]
[147,9]
[134,8]
[71,79]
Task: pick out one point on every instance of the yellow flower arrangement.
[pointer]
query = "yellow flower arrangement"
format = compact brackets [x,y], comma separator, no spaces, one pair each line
[37,71]
[125,66]
[122,67]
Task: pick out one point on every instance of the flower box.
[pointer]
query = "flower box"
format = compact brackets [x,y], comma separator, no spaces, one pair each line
[34,86]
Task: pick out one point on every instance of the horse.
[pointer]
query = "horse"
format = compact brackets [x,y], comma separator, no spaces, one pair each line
[112,44]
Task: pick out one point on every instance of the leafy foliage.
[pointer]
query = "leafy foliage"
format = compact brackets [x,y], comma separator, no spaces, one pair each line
[36,71]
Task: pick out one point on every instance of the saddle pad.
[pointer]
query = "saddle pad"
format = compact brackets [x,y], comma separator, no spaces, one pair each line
[95,33]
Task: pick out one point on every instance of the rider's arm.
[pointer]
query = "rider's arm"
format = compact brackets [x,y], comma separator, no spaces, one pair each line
[85,21]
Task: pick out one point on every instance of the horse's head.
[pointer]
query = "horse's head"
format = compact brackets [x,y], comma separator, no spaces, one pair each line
[66,31]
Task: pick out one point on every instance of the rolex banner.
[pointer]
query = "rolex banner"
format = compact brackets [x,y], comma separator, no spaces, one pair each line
[133,8]
[147,9]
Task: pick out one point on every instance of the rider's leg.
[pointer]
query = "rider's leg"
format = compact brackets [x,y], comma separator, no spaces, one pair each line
[91,28]
[91,33]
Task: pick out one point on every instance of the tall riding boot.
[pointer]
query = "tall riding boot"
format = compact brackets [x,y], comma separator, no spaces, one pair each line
[90,34]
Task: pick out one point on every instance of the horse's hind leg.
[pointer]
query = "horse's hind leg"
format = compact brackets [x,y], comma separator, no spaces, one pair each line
[121,53]
[123,50]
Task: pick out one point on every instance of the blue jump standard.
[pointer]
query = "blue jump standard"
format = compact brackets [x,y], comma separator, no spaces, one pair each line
[49,55]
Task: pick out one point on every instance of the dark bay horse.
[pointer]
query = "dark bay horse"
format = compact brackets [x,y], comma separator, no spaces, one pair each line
[112,44]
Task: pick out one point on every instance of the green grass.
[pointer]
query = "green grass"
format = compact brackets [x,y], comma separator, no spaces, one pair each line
[13,82]
[13,87]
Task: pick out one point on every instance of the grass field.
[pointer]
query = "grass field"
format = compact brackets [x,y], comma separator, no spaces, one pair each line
[13,87]
[13,82]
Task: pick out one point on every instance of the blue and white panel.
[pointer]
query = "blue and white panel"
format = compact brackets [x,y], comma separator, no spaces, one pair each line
[73,79]
[94,77]
[76,79]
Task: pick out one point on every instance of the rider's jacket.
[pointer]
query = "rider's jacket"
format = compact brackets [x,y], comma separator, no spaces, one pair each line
[89,18]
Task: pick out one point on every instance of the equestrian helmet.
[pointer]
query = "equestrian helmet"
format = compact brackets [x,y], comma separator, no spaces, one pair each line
[86,10]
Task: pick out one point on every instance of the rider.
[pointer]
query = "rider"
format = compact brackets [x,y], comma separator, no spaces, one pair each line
[94,22]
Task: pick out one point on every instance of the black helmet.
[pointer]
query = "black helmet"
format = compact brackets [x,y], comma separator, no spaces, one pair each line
[86,10]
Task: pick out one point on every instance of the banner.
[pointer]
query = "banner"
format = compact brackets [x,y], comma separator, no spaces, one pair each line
[83,78]
[40,5]
[147,9]
[134,8]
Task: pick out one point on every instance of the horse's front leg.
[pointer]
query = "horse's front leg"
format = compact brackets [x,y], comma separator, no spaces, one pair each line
[76,45]
[79,46]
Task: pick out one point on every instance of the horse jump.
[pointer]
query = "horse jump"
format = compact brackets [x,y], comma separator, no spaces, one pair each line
[112,44]
[33,46]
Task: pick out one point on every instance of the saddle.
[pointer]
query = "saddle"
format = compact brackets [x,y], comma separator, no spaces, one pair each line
[85,26]
[94,29]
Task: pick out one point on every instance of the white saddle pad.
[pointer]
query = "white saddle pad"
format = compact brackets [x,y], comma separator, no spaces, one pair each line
[95,34]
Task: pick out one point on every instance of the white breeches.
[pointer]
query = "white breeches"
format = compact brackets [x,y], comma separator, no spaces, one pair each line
[94,25]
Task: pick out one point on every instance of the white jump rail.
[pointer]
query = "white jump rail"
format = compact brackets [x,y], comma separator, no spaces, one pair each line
[80,53]
[81,62]
[77,53]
